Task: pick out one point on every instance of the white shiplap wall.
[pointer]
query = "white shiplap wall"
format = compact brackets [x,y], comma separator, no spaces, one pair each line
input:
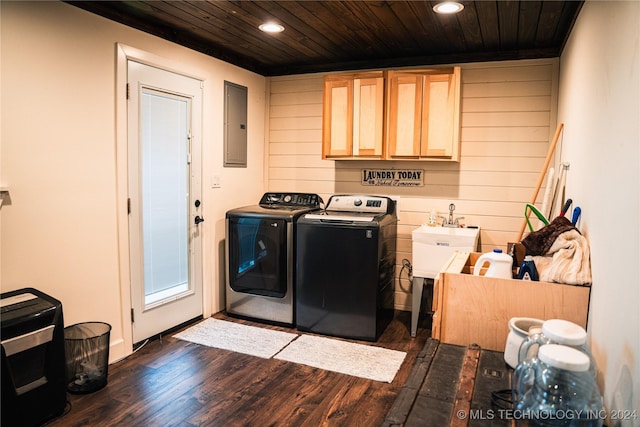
[508,121]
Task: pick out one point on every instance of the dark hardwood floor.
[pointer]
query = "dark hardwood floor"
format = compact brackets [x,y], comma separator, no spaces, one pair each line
[170,382]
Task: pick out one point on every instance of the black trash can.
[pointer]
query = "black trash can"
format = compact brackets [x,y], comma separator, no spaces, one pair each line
[86,348]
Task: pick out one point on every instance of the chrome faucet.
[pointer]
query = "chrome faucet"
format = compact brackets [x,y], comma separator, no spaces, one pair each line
[453,223]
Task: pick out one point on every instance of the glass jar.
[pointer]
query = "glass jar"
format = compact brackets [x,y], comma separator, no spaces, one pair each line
[556,389]
[557,331]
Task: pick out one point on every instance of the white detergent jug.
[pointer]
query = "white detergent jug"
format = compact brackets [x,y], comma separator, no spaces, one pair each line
[500,265]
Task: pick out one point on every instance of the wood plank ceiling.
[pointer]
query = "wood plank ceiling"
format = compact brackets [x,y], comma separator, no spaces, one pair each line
[322,36]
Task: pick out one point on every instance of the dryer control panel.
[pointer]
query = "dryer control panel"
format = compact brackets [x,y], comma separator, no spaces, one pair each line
[294,200]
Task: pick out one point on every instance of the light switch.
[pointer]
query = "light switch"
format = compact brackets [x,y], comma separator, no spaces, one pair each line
[215,181]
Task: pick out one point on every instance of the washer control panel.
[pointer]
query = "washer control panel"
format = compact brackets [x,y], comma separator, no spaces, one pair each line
[360,203]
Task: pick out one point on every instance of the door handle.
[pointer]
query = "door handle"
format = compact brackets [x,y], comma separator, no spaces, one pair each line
[198,219]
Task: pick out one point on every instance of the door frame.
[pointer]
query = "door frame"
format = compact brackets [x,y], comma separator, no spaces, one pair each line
[125,53]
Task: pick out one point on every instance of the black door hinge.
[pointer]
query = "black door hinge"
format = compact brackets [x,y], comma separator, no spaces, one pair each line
[132,319]
[128,206]
[127,90]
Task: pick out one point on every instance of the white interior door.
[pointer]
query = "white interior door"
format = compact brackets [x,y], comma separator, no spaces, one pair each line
[164,123]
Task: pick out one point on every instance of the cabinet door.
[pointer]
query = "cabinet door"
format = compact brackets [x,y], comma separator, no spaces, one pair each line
[423,114]
[405,106]
[440,116]
[368,103]
[337,127]
[353,115]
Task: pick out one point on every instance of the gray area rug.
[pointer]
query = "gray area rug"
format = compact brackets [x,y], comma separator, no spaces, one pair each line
[359,360]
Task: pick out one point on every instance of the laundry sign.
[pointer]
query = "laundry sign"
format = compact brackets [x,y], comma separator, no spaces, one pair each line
[393,177]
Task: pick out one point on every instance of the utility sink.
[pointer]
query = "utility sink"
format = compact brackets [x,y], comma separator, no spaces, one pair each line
[433,246]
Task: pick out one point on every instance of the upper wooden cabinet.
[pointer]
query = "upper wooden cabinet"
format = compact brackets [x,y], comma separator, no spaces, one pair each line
[393,115]
[423,114]
[353,114]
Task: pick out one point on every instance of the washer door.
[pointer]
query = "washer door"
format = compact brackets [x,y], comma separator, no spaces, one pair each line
[258,256]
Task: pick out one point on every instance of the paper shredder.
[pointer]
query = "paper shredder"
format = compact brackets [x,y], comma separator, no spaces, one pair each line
[33,359]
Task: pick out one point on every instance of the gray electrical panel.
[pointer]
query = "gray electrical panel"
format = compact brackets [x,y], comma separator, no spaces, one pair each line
[235,125]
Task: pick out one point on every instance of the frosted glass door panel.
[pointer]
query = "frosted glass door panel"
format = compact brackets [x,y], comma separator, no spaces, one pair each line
[165,194]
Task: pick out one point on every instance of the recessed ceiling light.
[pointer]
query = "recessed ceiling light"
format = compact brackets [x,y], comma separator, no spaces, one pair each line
[448,7]
[271,27]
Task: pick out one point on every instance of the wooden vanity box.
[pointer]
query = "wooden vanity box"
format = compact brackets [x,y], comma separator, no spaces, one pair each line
[472,309]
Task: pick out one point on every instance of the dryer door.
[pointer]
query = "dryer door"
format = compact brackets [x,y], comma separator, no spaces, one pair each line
[258,256]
